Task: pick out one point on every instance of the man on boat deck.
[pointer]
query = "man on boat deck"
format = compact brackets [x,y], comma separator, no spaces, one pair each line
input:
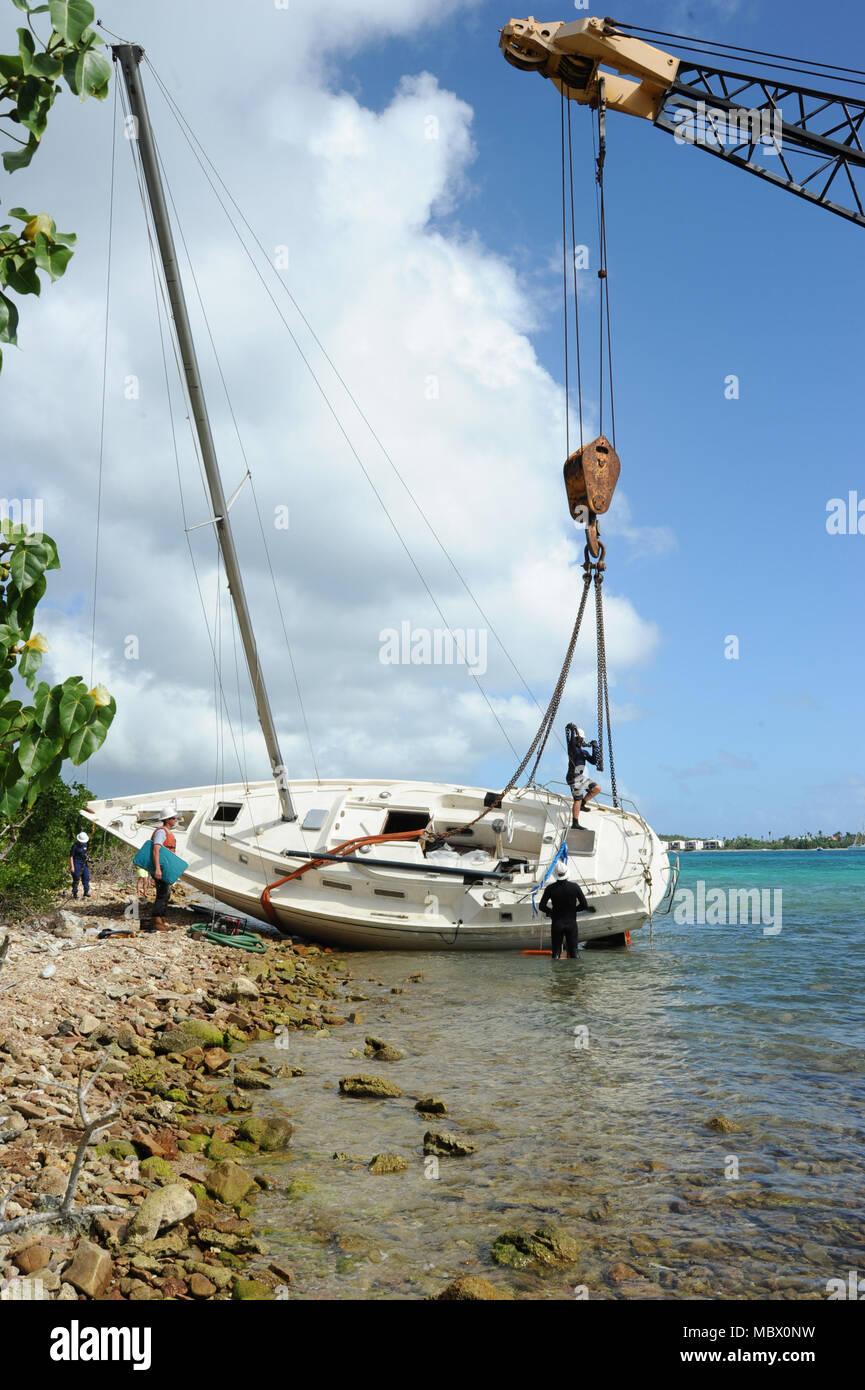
[163,838]
[561,901]
[580,753]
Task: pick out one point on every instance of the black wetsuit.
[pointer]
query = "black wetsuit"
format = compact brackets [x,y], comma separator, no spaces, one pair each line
[561,901]
[579,754]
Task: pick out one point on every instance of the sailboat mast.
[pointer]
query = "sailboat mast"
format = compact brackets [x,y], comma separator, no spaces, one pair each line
[129,56]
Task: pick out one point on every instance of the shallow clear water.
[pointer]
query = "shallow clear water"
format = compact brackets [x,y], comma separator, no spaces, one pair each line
[609,1140]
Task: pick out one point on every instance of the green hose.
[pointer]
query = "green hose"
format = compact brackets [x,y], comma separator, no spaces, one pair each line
[244,941]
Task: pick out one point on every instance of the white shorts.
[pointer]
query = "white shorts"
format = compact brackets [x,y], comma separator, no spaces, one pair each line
[580,784]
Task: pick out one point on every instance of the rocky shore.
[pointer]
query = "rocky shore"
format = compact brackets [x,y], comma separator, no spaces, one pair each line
[155,1034]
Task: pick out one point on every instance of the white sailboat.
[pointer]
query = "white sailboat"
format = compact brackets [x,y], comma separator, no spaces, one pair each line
[378,863]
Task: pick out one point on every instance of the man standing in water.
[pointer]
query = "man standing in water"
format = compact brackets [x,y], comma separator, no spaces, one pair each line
[580,753]
[163,838]
[561,901]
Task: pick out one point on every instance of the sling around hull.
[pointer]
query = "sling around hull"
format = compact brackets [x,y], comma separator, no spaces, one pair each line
[474,892]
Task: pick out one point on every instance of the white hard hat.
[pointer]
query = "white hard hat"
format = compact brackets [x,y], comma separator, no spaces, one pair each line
[581,733]
[82,838]
[168,814]
[561,869]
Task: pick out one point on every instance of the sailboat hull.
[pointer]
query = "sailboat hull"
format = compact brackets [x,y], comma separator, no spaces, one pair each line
[477,892]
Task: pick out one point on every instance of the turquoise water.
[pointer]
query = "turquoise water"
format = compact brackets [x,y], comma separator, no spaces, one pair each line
[610,1139]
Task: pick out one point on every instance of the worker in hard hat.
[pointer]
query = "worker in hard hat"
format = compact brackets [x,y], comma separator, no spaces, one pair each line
[162,838]
[79,863]
[562,900]
[581,785]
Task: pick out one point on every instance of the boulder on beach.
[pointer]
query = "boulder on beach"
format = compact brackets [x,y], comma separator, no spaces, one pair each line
[372,1087]
[90,1270]
[228,1182]
[206,1033]
[160,1209]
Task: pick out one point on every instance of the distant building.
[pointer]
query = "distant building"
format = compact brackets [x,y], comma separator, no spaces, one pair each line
[676,844]
[713,844]
[693,844]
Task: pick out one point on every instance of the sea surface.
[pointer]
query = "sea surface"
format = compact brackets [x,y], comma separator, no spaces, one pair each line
[588,1088]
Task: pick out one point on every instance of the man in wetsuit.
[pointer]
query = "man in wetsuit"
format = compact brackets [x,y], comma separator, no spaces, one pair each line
[580,753]
[561,901]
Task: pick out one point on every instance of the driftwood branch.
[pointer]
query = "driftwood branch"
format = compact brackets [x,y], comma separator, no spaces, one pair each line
[91,1126]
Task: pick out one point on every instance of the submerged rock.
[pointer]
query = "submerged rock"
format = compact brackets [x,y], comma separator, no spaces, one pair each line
[721,1125]
[548,1245]
[382,1051]
[472,1287]
[447,1145]
[268,1134]
[388,1163]
[373,1087]
[431,1105]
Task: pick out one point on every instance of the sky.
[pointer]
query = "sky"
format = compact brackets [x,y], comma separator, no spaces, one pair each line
[405,185]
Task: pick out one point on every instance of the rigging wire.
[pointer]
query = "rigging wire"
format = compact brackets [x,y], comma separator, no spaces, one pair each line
[713,46]
[576,276]
[565,288]
[376,492]
[203,158]
[103,403]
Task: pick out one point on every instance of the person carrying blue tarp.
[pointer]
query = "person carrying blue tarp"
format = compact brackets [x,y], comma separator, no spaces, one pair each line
[79,863]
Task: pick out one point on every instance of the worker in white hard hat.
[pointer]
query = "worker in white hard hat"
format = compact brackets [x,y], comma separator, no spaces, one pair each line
[561,901]
[581,785]
[162,838]
[79,863]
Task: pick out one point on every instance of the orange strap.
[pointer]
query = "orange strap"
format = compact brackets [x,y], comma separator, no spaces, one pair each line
[345,848]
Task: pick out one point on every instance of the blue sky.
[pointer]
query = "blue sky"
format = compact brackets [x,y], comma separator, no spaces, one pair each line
[721,526]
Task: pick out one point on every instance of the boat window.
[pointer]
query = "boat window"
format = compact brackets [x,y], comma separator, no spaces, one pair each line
[314,820]
[388,893]
[331,883]
[397,821]
[226,812]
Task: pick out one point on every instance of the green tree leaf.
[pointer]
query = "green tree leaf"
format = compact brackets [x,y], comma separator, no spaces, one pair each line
[76,707]
[85,741]
[37,749]
[71,17]
[93,74]
[28,563]
[8,320]
[26,49]
[28,664]
[20,158]
[58,259]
